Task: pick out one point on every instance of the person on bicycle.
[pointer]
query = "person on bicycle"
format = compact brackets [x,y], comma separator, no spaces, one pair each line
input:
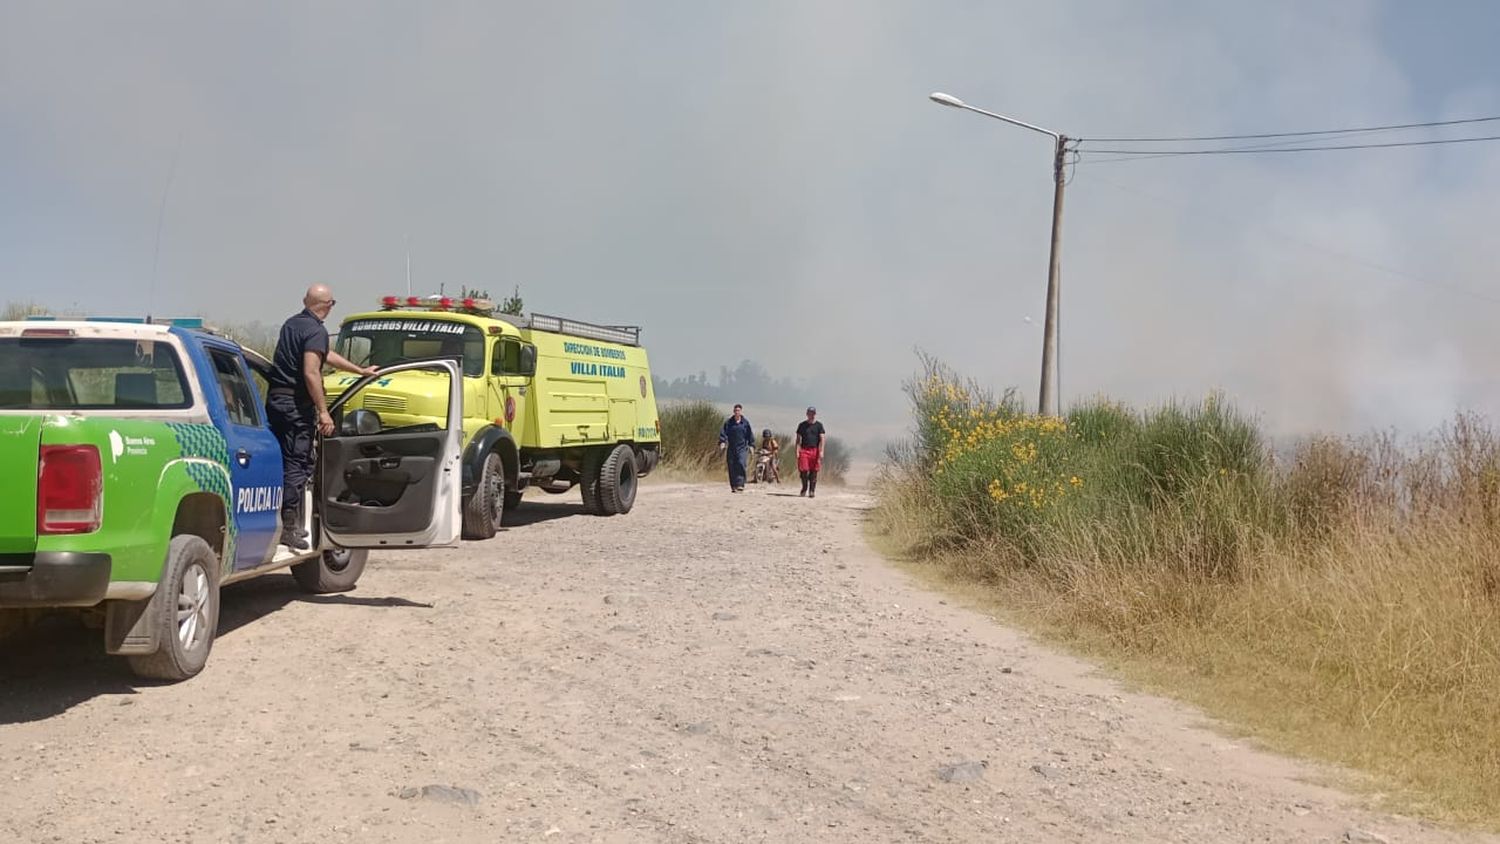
[769,444]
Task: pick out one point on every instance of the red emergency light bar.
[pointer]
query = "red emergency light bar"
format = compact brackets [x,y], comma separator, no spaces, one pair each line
[437,303]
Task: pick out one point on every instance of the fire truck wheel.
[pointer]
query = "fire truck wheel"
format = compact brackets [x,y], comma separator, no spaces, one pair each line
[483,511]
[617,481]
[588,482]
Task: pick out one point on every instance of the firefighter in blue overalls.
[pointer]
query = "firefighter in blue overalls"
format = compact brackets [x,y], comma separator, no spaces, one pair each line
[735,440]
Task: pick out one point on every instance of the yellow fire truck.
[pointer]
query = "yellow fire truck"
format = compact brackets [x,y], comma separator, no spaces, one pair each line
[548,402]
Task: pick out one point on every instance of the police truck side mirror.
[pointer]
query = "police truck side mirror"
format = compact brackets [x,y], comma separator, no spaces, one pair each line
[359,422]
[528,360]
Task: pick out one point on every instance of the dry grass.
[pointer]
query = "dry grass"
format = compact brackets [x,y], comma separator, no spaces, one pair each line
[1378,652]
[1341,602]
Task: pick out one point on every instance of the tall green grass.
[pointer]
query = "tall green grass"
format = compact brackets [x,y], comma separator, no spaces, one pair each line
[1341,597]
[690,437]
[690,445]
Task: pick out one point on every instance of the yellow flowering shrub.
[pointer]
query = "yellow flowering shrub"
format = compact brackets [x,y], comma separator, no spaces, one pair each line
[994,465]
[999,473]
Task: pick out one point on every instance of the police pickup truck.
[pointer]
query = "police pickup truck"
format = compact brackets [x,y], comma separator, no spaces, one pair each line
[141,477]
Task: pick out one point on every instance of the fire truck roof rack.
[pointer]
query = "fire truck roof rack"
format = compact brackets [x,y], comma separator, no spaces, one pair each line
[629,335]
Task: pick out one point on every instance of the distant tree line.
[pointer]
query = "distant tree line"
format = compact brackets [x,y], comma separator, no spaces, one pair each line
[748,382]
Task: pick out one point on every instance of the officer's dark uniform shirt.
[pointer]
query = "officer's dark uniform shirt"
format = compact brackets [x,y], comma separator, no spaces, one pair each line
[299,334]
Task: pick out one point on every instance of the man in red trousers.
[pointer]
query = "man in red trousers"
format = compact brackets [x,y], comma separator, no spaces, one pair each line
[810,439]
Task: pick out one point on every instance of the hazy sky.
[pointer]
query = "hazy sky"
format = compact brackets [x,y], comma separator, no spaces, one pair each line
[694,166]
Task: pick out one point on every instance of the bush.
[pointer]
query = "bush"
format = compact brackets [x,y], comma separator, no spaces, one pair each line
[690,436]
[1182,483]
[16,311]
[1343,597]
[255,336]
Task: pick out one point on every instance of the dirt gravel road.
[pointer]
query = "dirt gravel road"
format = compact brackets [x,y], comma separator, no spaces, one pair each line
[709,668]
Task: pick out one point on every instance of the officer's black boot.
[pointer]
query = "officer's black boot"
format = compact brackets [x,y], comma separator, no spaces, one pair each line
[812,484]
[804,483]
[293,535]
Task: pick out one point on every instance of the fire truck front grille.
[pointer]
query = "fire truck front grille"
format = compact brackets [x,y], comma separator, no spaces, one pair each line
[383,403]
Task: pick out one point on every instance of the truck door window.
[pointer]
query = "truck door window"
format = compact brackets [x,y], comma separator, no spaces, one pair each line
[507,357]
[356,349]
[229,374]
[260,373]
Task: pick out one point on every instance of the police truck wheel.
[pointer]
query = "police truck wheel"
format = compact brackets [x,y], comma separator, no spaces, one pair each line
[335,570]
[186,606]
[617,481]
[485,507]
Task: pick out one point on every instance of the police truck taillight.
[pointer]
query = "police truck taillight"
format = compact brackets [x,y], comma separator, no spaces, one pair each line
[69,487]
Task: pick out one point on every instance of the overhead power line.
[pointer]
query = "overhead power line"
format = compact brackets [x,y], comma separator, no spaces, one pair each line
[1143,155]
[1130,154]
[1305,134]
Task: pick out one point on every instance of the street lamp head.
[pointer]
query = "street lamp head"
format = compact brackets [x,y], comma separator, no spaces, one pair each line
[946,99]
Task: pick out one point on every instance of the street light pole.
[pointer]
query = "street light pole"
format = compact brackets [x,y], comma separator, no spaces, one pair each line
[1048,396]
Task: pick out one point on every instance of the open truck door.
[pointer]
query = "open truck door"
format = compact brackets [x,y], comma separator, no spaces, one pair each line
[393,487]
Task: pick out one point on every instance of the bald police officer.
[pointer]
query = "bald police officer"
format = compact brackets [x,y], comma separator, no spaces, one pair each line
[296,406]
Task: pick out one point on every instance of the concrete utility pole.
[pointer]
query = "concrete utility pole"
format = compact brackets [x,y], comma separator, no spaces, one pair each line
[1051,372]
[1048,396]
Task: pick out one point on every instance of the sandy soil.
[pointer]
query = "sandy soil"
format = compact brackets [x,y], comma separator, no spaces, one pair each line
[711,667]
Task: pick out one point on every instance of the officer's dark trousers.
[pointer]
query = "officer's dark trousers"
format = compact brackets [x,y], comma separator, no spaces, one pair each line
[293,424]
[737,455]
